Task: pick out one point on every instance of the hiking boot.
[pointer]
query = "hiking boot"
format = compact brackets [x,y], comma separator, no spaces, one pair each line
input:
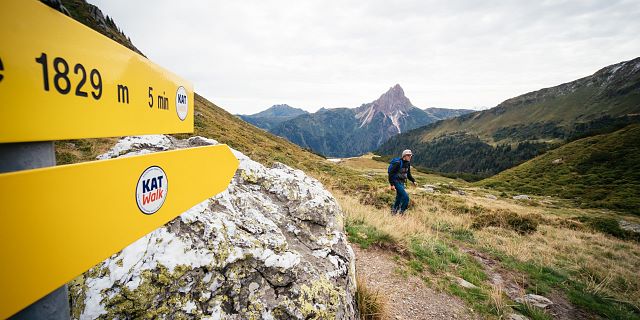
[394,211]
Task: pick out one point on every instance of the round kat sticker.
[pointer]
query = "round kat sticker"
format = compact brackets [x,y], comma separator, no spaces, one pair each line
[182,103]
[151,190]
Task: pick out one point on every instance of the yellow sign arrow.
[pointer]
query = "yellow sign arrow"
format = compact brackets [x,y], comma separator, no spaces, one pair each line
[60,221]
[62,80]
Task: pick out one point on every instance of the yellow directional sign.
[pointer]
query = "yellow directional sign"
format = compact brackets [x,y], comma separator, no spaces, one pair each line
[58,222]
[61,80]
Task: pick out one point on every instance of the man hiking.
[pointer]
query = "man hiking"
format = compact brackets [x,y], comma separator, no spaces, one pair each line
[399,171]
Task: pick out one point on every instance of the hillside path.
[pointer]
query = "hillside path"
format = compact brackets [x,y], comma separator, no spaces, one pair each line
[407,298]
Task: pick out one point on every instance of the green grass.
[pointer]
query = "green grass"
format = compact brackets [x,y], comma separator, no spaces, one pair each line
[440,259]
[366,236]
[477,298]
[532,312]
[544,280]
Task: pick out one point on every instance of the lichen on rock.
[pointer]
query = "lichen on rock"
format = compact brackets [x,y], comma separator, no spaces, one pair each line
[270,246]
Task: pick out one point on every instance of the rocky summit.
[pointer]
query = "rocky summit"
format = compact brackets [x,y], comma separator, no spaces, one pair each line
[393,104]
[270,246]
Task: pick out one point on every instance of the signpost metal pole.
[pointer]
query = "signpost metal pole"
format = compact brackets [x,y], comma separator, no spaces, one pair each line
[31,155]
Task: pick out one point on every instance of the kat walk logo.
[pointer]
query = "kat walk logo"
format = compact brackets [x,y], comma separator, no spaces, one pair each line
[182,103]
[151,190]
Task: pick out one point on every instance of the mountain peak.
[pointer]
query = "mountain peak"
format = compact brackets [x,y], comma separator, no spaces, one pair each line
[397,89]
[394,94]
[393,104]
[391,101]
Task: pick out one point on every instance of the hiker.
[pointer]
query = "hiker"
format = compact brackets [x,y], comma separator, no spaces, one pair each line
[399,171]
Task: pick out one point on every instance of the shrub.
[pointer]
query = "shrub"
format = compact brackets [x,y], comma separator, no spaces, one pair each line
[522,224]
[609,226]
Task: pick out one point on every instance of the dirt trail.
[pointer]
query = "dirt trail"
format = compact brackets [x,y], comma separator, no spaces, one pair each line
[408,298]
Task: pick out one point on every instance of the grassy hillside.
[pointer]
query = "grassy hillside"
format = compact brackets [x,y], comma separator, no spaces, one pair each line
[92,17]
[603,102]
[552,113]
[599,171]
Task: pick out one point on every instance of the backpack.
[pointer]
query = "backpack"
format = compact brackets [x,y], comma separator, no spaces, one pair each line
[394,161]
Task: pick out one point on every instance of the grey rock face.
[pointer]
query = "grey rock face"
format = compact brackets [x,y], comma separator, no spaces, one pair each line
[535,300]
[465,284]
[516,316]
[269,247]
[427,189]
[629,226]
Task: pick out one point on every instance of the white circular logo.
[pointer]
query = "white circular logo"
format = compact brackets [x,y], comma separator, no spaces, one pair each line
[151,190]
[182,103]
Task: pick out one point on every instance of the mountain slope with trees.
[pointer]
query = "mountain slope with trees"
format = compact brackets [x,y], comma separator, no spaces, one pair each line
[529,124]
[598,171]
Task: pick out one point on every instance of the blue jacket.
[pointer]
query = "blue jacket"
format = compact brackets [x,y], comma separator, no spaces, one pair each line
[397,174]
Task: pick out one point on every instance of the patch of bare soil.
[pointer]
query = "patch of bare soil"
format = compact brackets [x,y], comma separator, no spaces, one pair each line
[407,297]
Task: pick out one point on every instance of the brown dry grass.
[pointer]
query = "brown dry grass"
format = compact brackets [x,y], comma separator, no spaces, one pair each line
[372,304]
[608,266]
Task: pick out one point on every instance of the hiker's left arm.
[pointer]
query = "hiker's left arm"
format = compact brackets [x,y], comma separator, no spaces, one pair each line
[410,177]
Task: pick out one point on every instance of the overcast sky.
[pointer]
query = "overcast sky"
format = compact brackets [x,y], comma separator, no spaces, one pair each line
[248,55]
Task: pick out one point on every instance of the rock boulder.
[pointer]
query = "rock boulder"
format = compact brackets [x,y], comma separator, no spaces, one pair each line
[269,247]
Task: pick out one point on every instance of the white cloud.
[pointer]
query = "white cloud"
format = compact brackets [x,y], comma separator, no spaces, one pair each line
[248,55]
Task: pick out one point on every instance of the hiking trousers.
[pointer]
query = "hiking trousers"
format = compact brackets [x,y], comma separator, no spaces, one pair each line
[402,198]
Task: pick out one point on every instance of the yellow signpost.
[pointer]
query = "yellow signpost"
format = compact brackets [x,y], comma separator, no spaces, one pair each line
[88,211]
[61,80]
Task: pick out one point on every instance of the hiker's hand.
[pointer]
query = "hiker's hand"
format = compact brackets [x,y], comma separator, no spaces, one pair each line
[393,188]
[414,183]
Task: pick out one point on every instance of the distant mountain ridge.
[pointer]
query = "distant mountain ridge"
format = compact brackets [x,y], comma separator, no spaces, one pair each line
[522,127]
[272,116]
[344,132]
